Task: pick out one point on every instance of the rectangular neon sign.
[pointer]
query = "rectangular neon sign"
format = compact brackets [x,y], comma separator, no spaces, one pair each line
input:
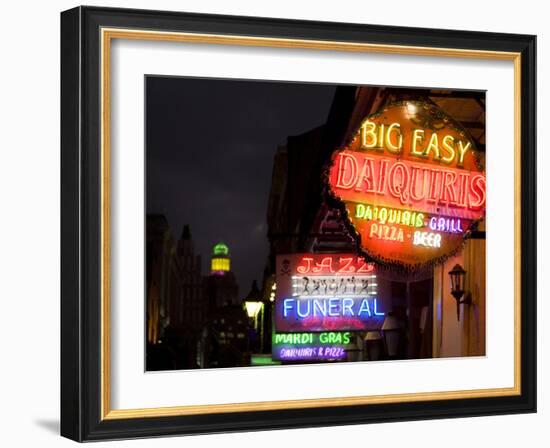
[310,346]
[326,292]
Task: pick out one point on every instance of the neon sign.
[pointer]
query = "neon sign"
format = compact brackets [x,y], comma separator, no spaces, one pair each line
[320,292]
[412,184]
[427,239]
[310,346]
[329,286]
[309,353]
[406,183]
[343,264]
[312,338]
[327,308]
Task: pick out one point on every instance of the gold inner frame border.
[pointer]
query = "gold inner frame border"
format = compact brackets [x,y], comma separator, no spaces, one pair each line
[107,35]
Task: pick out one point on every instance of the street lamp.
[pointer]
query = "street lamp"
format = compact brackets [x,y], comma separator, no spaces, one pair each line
[392,329]
[252,310]
[458,275]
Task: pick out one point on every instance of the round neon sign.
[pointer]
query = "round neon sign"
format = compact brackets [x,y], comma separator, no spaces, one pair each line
[412,184]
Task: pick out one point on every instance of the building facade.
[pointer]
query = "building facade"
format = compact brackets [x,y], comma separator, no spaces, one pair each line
[176,306]
[302,220]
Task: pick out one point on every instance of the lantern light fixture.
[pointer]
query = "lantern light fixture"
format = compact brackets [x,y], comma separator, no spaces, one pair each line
[458,275]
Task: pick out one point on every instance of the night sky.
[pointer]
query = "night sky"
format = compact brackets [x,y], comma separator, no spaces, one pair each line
[210,149]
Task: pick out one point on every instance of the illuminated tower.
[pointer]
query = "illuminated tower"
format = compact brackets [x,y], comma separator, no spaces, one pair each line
[221,284]
[221,261]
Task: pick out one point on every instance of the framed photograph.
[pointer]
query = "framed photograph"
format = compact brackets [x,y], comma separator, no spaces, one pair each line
[277,224]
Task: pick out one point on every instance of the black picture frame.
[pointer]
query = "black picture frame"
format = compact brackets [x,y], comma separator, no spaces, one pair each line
[81,379]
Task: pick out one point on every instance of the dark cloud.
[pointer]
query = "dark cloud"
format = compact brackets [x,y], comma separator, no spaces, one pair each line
[210,148]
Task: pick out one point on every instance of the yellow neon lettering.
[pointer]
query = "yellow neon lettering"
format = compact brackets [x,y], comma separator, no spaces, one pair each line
[418,136]
[368,129]
[396,149]
[462,151]
[448,145]
[433,145]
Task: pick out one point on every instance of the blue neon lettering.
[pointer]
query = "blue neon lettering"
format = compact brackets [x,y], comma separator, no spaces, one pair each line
[364,308]
[376,312]
[287,307]
[347,304]
[333,307]
[321,306]
[308,309]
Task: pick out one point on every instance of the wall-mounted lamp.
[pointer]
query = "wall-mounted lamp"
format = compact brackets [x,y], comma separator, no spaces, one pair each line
[458,274]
